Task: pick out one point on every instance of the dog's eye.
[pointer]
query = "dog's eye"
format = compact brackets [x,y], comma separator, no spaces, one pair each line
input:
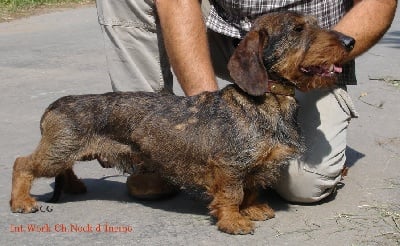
[298,28]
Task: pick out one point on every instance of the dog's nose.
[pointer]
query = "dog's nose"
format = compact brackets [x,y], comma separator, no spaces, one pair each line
[348,42]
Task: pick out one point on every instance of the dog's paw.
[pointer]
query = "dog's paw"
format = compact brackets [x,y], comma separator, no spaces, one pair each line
[236,225]
[258,212]
[27,205]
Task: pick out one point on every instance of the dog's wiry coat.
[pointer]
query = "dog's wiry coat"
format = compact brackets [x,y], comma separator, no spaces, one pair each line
[230,142]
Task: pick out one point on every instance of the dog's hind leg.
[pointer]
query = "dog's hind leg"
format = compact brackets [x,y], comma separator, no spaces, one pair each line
[109,153]
[68,182]
[53,156]
[22,178]
[58,188]
[25,170]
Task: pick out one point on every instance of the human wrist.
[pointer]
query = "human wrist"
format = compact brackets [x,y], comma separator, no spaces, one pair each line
[197,88]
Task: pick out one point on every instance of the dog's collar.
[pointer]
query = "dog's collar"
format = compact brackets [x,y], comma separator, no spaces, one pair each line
[278,88]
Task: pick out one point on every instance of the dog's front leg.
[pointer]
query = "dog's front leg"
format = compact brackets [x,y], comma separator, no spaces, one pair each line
[229,219]
[225,208]
[227,192]
[254,210]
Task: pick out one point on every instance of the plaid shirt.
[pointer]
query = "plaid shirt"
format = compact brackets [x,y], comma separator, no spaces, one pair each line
[234,17]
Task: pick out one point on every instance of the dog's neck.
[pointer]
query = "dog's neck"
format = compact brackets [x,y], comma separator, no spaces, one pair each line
[278,88]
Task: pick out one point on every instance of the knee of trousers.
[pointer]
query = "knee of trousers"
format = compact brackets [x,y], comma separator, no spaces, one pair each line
[304,185]
[323,120]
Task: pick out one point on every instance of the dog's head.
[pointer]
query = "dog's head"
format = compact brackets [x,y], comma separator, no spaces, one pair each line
[288,48]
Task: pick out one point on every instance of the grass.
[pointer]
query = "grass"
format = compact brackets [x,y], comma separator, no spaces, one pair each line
[380,223]
[13,9]
[387,79]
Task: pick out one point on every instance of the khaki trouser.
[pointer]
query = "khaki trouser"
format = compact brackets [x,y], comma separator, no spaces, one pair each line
[137,60]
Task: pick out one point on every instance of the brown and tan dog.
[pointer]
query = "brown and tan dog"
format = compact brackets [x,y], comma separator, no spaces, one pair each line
[230,142]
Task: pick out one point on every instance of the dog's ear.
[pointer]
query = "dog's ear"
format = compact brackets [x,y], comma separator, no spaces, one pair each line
[246,65]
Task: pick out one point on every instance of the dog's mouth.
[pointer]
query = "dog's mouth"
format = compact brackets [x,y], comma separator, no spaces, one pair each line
[323,71]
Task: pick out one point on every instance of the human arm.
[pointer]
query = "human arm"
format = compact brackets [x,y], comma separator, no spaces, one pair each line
[185,41]
[367,22]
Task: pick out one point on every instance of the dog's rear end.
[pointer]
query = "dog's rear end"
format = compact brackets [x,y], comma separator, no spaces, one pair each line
[230,142]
